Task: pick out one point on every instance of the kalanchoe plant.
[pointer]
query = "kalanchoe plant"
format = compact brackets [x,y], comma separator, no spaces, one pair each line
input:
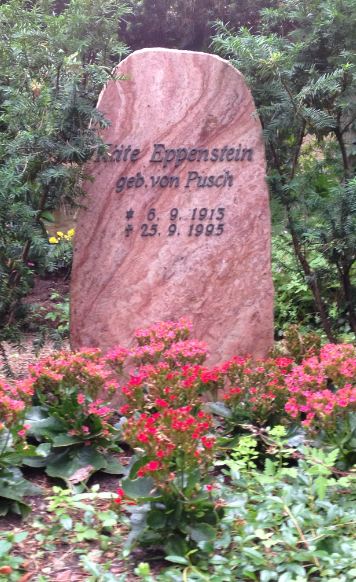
[172,436]
[169,369]
[73,419]
[176,386]
[322,392]
[13,450]
[169,481]
[255,391]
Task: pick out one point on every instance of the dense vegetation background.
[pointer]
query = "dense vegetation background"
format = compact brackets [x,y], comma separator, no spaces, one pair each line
[258,483]
[299,60]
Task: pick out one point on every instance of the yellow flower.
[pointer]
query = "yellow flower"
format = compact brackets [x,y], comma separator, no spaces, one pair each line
[60,233]
[53,240]
[70,232]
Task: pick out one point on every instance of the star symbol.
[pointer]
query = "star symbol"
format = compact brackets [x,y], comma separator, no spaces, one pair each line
[129,214]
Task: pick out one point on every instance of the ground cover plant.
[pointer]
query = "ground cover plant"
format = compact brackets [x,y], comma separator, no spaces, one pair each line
[13,450]
[240,470]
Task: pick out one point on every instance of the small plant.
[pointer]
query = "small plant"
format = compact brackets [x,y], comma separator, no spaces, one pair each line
[60,254]
[13,451]
[79,517]
[59,314]
[323,397]
[51,323]
[298,345]
[172,437]
[255,391]
[168,490]
[11,565]
[73,419]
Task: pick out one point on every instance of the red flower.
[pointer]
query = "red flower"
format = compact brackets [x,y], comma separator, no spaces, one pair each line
[120,495]
[124,409]
[162,403]
[208,442]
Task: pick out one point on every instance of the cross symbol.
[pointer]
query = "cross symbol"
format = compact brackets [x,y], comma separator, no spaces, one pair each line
[128,229]
[129,214]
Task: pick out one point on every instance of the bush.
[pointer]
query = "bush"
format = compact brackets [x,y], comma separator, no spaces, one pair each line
[13,450]
[322,393]
[72,415]
[172,436]
[288,522]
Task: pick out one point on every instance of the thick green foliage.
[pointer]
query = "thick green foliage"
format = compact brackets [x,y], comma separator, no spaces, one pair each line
[52,68]
[300,68]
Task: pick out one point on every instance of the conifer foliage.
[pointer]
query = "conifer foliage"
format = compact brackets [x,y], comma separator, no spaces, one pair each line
[301,69]
[52,67]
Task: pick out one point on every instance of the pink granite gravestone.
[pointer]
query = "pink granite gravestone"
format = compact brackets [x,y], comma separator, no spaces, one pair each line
[177,218]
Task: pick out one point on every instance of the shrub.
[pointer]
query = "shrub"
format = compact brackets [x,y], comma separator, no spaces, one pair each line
[323,396]
[172,438]
[72,413]
[256,391]
[285,522]
[13,449]
[60,253]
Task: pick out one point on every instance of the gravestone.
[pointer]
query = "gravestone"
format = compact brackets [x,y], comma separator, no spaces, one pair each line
[177,220]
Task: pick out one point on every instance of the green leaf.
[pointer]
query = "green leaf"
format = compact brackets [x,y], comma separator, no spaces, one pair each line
[192,479]
[20,537]
[65,440]
[156,519]
[91,567]
[176,546]
[136,464]
[220,409]
[177,560]
[113,466]
[66,522]
[141,487]
[321,485]
[255,555]
[202,532]
[65,463]
[267,575]
[5,547]
[43,450]
[48,216]
[88,533]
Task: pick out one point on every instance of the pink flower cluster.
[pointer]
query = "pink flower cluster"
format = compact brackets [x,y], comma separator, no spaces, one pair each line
[165,331]
[85,369]
[257,389]
[11,405]
[116,357]
[75,387]
[323,387]
[187,351]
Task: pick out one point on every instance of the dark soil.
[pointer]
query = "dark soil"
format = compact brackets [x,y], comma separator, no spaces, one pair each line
[58,560]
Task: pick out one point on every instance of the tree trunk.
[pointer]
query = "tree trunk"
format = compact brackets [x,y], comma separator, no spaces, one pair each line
[312,282]
[346,283]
